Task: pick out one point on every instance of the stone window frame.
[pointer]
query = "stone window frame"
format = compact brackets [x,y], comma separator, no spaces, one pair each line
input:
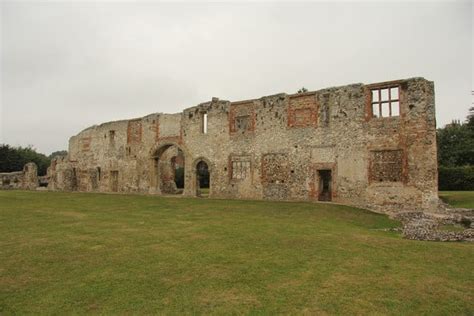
[312,120]
[404,169]
[388,85]
[241,160]
[233,115]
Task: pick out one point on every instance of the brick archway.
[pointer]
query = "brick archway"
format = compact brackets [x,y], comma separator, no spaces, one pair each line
[156,153]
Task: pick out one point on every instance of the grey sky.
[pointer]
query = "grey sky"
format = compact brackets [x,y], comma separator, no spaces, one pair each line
[66,66]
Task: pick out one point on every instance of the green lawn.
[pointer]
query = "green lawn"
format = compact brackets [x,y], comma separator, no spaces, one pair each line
[63,253]
[463,199]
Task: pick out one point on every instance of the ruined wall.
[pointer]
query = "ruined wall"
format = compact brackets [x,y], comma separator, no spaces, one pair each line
[366,145]
[27,179]
[11,180]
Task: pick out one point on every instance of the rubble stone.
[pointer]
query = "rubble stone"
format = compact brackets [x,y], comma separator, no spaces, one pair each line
[331,144]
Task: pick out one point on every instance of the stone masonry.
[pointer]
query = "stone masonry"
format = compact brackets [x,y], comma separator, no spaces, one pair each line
[370,145]
[27,179]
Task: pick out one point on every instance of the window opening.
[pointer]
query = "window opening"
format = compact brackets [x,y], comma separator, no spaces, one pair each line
[385,102]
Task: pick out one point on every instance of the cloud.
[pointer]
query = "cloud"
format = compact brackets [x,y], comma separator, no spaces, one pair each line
[66,66]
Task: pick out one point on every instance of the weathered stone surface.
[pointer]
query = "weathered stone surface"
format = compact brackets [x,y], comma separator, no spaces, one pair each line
[26,179]
[30,176]
[11,180]
[323,145]
[426,226]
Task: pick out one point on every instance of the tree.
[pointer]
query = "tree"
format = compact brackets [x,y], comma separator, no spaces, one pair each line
[14,158]
[302,90]
[456,154]
[455,145]
[470,117]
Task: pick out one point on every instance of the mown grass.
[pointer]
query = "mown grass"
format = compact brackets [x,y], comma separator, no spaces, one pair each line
[65,253]
[464,199]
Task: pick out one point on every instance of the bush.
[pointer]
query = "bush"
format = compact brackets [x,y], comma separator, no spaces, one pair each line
[456,178]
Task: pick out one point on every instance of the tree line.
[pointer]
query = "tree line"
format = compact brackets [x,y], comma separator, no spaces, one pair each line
[456,154]
[14,158]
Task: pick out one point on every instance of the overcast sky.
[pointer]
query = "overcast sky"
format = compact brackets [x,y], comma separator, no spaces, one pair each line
[66,66]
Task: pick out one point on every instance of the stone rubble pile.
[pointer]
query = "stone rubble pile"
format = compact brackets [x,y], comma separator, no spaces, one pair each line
[427,226]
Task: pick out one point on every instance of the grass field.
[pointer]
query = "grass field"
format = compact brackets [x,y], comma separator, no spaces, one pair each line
[65,253]
[463,199]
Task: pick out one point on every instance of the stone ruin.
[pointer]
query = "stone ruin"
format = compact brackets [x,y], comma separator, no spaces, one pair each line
[429,226]
[365,145]
[27,179]
[372,146]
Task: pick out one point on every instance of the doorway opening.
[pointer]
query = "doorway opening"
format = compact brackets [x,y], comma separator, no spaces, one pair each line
[169,169]
[325,186]
[202,179]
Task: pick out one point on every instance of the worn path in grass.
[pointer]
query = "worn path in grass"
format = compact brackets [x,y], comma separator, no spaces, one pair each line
[96,253]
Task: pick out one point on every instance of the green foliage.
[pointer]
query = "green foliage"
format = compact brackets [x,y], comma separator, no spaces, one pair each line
[85,253]
[14,158]
[456,145]
[456,178]
[302,90]
[456,155]
[58,153]
[470,117]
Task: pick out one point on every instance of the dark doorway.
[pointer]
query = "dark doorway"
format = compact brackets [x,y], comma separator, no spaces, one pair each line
[177,164]
[325,193]
[202,179]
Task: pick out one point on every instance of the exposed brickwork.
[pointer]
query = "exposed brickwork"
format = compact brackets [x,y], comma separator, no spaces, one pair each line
[242,117]
[320,145]
[134,132]
[302,111]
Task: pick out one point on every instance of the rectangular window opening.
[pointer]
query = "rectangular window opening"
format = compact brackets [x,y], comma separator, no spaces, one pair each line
[385,102]
[240,169]
[375,110]
[204,123]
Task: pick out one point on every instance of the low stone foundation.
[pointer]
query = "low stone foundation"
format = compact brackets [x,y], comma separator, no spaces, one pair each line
[428,226]
[26,179]
[11,180]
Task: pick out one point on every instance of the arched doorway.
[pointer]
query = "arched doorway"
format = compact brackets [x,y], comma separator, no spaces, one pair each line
[203,179]
[168,170]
